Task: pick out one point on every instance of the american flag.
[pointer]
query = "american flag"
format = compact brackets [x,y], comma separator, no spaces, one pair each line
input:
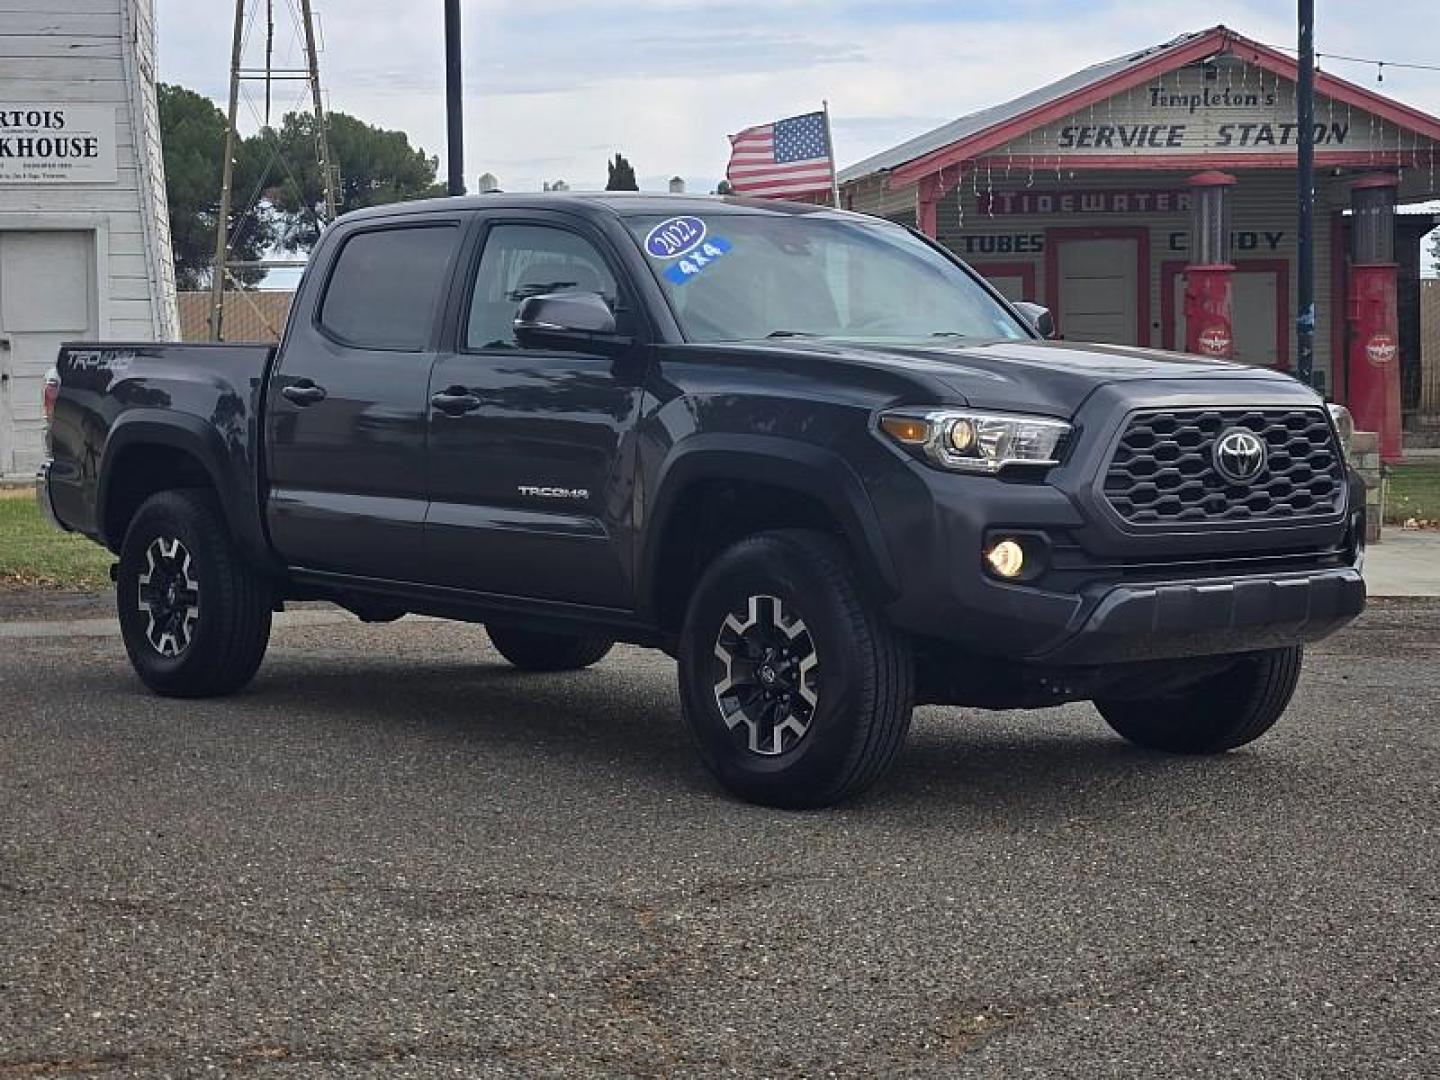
[788,157]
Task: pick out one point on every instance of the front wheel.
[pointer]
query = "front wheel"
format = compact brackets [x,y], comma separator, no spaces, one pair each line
[1218,713]
[195,616]
[797,691]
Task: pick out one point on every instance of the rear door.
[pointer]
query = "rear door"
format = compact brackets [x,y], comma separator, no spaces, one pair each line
[532,460]
[348,400]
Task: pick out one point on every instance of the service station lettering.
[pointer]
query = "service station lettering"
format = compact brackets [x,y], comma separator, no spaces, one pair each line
[1247,135]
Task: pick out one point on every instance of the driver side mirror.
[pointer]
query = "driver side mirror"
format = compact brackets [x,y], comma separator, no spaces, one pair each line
[568,322]
[1039,318]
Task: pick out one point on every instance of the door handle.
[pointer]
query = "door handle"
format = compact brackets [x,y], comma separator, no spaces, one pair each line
[304,392]
[455,401]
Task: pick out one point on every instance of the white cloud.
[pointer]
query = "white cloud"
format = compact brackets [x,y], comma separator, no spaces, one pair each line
[553,88]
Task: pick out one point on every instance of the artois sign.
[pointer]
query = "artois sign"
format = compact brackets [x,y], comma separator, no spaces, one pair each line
[1239,111]
[57,144]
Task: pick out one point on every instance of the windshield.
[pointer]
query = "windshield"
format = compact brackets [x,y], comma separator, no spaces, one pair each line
[742,277]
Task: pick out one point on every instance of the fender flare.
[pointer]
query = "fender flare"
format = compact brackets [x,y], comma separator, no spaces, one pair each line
[200,440]
[778,462]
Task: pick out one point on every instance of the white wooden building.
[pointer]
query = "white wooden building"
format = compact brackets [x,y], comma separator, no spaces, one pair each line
[84,233]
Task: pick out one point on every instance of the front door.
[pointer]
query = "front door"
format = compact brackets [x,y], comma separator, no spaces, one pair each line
[47,295]
[347,405]
[1099,297]
[532,457]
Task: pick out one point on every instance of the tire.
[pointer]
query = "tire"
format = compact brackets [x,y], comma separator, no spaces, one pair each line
[1218,713]
[841,679]
[535,650]
[208,638]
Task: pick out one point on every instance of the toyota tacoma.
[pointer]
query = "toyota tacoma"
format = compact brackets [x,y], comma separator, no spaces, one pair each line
[808,453]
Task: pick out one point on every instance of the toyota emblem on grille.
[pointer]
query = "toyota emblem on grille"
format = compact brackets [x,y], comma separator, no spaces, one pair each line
[1240,455]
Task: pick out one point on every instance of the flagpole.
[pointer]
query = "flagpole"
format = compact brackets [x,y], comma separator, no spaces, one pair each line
[830,139]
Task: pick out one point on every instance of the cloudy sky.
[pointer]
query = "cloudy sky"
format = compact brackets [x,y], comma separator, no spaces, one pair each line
[554,86]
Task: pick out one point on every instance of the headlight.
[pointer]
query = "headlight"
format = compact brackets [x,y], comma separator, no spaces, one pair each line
[968,441]
[1344,426]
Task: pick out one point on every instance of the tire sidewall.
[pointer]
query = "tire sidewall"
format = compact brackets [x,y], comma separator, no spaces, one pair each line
[768,565]
[171,516]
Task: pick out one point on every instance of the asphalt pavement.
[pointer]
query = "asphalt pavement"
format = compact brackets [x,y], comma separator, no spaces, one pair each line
[394,855]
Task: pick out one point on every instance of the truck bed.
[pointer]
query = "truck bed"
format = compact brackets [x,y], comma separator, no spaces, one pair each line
[200,399]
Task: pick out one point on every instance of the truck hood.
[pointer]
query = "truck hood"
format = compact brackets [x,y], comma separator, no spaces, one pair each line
[1048,377]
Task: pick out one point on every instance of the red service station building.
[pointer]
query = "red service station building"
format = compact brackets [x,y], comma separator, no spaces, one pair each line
[1150,201]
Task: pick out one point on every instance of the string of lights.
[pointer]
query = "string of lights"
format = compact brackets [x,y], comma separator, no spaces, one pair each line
[1380,65]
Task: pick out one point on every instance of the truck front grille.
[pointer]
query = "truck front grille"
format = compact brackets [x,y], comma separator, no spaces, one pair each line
[1164,469]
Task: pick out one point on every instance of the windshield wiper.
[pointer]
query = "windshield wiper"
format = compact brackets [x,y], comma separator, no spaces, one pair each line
[790,333]
[948,333]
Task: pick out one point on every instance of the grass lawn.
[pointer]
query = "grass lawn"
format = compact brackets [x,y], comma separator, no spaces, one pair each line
[32,553]
[1414,493]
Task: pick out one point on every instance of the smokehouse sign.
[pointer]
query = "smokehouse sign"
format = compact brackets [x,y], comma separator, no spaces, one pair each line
[1186,112]
[57,144]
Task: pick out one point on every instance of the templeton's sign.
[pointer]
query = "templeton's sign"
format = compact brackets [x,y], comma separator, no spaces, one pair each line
[57,144]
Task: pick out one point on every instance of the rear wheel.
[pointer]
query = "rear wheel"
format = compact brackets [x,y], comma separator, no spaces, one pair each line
[1216,714]
[535,650]
[796,689]
[195,617]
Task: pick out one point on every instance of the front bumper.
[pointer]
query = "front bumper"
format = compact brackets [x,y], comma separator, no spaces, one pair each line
[1100,602]
[43,499]
[1177,619]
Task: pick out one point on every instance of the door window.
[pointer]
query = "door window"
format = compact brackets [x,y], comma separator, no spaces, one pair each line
[520,261]
[386,285]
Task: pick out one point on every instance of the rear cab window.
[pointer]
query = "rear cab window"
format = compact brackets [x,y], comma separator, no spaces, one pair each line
[385,289]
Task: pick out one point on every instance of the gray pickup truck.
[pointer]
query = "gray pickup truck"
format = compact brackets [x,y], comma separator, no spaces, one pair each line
[808,453]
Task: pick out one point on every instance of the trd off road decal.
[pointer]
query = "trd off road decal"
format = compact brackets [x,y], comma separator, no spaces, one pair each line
[115,361]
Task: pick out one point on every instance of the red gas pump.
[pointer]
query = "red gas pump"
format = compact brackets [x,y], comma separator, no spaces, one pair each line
[1208,279]
[1373,368]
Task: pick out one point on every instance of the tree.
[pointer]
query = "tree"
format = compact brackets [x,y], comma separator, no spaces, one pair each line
[622,175]
[192,134]
[724,188]
[375,166]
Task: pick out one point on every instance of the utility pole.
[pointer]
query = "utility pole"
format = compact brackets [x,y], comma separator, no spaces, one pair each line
[220,269]
[454,116]
[227,175]
[1305,192]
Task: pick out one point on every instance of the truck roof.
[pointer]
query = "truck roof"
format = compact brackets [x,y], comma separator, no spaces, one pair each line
[618,203]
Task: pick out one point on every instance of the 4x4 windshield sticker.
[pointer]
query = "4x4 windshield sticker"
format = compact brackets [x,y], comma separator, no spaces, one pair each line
[674,236]
[693,263]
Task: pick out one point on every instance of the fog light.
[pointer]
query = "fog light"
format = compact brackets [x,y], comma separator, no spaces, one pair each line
[1006,559]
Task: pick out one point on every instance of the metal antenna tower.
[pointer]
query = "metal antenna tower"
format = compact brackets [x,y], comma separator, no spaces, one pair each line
[267,74]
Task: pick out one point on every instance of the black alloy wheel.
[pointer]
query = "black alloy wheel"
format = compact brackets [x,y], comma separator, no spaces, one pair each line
[767,676]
